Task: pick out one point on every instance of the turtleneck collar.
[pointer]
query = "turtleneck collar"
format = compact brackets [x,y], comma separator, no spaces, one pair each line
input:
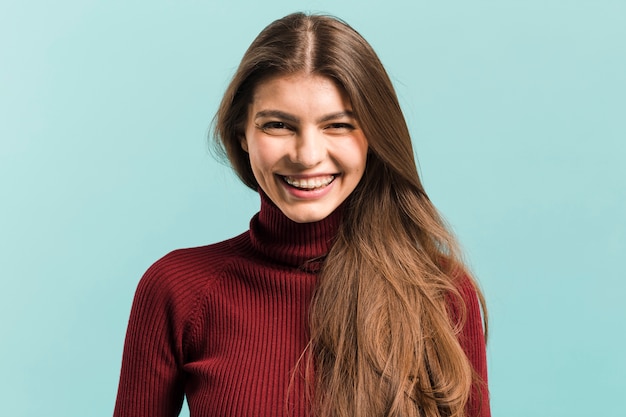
[301,245]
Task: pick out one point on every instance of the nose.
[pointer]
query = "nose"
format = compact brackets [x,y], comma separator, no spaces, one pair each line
[309,148]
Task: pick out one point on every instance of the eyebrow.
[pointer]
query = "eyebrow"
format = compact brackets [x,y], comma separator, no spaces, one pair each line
[278,114]
[291,118]
[346,113]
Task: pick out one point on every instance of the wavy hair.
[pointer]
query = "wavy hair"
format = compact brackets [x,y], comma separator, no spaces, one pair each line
[383,339]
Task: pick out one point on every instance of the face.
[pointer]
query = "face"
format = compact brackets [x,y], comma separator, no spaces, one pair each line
[306,149]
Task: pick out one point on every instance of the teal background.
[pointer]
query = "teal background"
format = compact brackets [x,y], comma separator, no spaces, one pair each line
[518,113]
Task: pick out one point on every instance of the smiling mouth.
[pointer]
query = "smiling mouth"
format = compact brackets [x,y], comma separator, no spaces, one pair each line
[309,184]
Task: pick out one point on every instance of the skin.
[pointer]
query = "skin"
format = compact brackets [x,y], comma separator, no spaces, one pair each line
[306,148]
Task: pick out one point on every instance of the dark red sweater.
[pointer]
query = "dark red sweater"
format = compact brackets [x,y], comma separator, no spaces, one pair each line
[225,324]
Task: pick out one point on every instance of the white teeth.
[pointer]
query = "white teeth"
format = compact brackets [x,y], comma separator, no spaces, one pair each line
[309,183]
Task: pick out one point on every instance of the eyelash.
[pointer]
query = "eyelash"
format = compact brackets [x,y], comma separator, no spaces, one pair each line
[281,125]
[340,126]
[275,125]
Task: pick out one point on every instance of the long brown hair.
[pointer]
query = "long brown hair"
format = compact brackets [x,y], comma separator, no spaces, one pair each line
[383,341]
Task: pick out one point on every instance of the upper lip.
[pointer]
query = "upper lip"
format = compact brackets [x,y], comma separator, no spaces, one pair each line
[308,176]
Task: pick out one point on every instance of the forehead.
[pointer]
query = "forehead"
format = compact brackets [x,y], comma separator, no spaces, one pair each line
[300,91]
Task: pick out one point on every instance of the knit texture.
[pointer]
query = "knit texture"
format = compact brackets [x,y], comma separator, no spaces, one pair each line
[225,325]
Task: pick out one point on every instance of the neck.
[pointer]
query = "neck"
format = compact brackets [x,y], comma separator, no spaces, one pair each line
[300,245]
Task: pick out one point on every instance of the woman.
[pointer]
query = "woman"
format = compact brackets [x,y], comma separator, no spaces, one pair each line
[347,296]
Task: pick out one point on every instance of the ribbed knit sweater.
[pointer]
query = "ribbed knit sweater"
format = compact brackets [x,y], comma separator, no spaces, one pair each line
[225,325]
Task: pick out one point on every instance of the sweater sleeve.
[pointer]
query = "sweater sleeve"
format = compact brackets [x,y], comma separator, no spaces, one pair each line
[472,340]
[151,383]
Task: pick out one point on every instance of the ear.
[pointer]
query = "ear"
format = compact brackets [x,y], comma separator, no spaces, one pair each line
[244,143]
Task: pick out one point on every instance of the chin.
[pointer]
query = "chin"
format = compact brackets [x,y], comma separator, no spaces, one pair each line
[298,218]
[306,215]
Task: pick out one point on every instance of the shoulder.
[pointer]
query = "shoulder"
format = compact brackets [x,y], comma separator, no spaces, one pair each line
[189,262]
[467,314]
[467,288]
[183,274]
[465,302]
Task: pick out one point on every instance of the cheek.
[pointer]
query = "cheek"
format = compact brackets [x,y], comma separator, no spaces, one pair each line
[262,156]
[359,151]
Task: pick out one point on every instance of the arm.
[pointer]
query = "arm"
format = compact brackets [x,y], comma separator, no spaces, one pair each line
[151,383]
[472,340]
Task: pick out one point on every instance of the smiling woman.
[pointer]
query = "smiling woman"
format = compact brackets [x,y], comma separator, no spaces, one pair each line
[347,296]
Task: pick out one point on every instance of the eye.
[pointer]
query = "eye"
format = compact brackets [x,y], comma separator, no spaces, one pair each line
[275,128]
[274,125]
[339,128]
